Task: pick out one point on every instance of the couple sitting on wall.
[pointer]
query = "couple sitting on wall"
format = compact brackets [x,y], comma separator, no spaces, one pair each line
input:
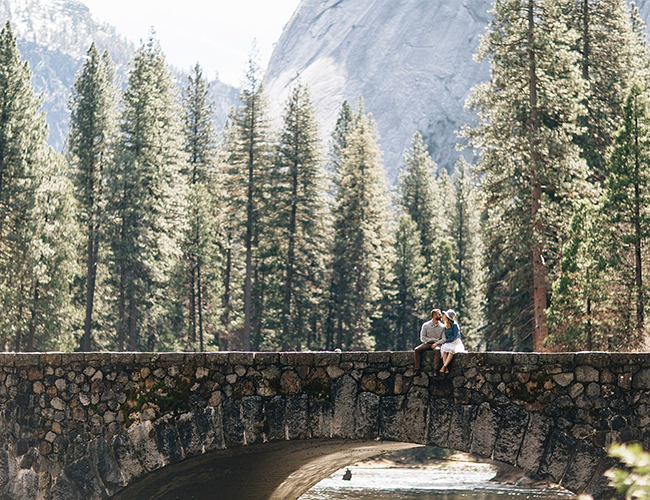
[442,334]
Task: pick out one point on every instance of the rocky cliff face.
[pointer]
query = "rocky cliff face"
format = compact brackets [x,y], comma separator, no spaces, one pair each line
[412,60]
[54,36]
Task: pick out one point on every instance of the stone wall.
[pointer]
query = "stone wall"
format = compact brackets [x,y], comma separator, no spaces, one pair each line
[87,425]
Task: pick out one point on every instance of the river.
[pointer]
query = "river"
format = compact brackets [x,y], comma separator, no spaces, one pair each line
[446,481]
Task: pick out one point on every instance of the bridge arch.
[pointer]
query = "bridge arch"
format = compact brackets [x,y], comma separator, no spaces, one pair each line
[85,426]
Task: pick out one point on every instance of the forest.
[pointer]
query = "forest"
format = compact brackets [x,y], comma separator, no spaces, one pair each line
[154,231]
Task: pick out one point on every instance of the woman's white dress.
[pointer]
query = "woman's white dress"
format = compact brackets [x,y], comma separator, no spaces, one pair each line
[455,346]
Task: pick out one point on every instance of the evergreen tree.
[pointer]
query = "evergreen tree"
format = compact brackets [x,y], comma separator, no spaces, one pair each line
[344,123]
[627,197]
[409,271]
[300,207]
[360,241]
[201,253]
[465,233]
[36,218]
[90,144]
[531,168]
[607,45]
[249,162]
[420,197]
[146,194]
[580,314]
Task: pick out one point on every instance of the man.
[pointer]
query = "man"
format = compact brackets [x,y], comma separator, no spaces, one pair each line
[430,333]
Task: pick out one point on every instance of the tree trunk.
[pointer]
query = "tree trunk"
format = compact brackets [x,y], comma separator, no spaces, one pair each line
[32,322]
[133,331]
[19,329]
[585,39]
[199,292]
[540,329]
[640,306]
[248,283]
[91,278]
[121,311]
[288,286]
[225,298]
[191,336]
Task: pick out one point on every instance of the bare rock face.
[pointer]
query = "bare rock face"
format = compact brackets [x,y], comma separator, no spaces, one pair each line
[411,60]
[54,36]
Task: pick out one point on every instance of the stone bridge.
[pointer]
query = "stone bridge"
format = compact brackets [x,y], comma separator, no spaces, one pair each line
[270,425]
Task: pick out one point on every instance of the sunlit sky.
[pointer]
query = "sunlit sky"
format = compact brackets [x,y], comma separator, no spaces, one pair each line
[218,34]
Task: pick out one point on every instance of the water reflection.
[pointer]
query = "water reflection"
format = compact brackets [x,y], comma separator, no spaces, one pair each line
[448,481]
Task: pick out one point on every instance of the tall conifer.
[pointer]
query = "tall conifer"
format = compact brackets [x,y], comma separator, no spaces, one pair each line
[528,115]
[360,237]
[93,123]
[146,201]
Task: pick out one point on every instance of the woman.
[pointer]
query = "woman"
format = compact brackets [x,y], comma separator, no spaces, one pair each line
[450,342]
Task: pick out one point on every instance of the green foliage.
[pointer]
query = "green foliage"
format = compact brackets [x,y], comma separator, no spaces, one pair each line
[91,141]
[146,203]
[634,481]
[200,275]
[359,265]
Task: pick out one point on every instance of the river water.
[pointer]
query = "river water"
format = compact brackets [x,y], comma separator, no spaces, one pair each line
[447,481]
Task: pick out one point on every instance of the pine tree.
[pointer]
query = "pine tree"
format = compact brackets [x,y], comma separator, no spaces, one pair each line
[607,46]
[201,253]
[249,161]
[90,144]
[146,194]
[301,214]
[36,218]
[409,271]
[581,312]
[465,232]
[360,237]
[420,198]
[627,196]
[531,168]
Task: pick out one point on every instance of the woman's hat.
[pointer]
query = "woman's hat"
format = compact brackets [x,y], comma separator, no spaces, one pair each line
[450,313]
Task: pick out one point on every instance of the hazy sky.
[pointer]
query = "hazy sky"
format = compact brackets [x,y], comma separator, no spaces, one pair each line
[217,33]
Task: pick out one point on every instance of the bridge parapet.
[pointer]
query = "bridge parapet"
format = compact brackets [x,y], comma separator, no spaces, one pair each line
[89,425]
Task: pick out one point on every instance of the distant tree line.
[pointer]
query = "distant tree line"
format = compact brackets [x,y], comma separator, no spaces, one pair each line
[155,232]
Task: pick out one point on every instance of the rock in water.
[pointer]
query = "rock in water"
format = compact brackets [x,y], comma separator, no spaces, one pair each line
[348,475]
[411,60]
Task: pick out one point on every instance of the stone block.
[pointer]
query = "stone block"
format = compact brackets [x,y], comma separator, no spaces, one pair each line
[391,416]
[296,417]
[122,358]
[367,416]
[586,373]
[401,358]
[168,442]
[354,356]
[23,360]
[297,358]
[599,486]
[524,359]
[48,359]
[274,412]
[557,456]
[557,359]
[484,432]
[145,358]
[124,452]
[593,358]
[7,360]
[253,419]
[82,474]
[379,357]
[180,358]
[512,429]
[460,430]
[241,358]
[107,467]
[145,447]
[62,489]
[532,446]
[327,358]
[563,379]
[344,402]
[498,358]
[263,359]
[320,418]
[583,466]
[216,358]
